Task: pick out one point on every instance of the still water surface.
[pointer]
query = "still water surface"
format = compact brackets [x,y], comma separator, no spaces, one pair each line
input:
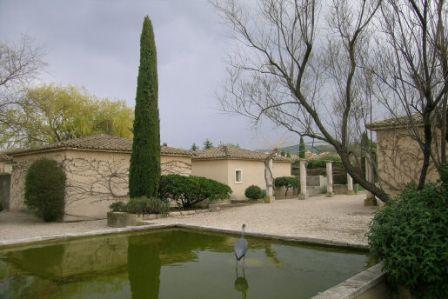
[172,264]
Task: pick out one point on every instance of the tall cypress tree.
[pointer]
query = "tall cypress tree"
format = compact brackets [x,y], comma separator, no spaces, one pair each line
[144,172]
[364,151]
[302,148]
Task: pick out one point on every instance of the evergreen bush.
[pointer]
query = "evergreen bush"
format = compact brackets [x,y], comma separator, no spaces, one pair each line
[144,172]
[190,190]
[45,189]
[141,205]
[410,235]
[254,192]
[145,205]
[287,182]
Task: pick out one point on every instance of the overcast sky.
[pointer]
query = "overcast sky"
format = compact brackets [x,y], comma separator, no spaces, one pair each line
[95,44]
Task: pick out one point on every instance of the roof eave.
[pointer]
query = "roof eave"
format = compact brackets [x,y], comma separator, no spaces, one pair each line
[66,148]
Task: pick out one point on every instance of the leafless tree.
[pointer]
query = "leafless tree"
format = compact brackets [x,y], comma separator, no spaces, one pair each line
[19,64]
[299,64]
[410,68]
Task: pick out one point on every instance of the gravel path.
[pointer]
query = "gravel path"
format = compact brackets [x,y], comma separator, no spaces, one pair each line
[340,218]
[15,225]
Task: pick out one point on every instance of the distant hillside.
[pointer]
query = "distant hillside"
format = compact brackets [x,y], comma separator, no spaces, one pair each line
[317,148]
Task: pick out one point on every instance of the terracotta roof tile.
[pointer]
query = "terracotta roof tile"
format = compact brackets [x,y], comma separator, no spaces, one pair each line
[233,152]
[98,143]
[395,122]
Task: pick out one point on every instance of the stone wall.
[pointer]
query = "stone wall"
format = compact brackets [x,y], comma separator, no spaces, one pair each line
[399,160]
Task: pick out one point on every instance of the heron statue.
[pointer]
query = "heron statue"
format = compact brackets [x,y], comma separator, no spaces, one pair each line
[240,249]
[241,245]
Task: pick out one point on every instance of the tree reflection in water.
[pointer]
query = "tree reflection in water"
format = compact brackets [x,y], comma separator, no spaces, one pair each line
[144,267]
[171,264]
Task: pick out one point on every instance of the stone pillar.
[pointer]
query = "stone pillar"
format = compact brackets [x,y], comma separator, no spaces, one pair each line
[350,184]
[270,183]
[302,194]
[370,199]
[329,166]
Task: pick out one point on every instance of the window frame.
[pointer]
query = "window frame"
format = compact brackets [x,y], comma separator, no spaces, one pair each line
[241,176]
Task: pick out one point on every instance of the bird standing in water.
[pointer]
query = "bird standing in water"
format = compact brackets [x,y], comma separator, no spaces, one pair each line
[241,245]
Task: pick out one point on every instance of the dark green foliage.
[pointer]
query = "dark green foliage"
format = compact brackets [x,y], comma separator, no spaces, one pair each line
[144,266]
[444,175]
[144,173]
[368,148]
[194,147]
[302,148]
[45,189]
[321,163]
[207,144]
[118,206]
[254,192]
[141,205]
[190,190]
[287,182]
[410,235]
[364,146]
[1,206]
[144,205]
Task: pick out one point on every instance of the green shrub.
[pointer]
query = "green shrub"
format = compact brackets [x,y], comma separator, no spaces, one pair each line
[321,163]
[118,206]
[444,175]
[190,190]
[45,189]
[410,235]
[144,205]
[287,182]
[254,192]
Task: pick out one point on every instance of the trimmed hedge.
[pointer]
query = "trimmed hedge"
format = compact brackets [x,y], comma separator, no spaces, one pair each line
[118,206]
[45,189]
[190,190]
[410,235]
[141,205]
[144,205]
[254,192]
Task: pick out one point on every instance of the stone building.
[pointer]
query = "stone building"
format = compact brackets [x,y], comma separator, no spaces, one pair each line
[96,167]
[238,168]
[399,157]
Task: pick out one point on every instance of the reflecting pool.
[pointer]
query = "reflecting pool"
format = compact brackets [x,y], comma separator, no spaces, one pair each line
[173,264]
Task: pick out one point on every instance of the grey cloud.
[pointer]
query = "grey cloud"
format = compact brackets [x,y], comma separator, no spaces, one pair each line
[95,44]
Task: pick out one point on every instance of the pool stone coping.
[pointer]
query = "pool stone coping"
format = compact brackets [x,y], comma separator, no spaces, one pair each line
[148,226]
[295,239]
[357,285]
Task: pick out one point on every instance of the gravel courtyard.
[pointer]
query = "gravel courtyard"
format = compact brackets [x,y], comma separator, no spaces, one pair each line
[340,218]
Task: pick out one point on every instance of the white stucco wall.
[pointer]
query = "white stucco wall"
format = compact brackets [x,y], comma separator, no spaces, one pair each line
[94,179]
[224,171]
